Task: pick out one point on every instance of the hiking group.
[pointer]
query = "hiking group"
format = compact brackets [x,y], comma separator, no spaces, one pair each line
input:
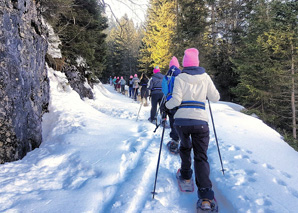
[181,95]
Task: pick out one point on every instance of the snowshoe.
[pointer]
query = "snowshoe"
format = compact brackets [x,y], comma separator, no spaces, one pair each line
[152,121]
[184,185]
[207,206]
[173,147]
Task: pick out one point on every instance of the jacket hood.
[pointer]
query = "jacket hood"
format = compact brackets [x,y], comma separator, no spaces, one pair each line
[194,70]
[193,74]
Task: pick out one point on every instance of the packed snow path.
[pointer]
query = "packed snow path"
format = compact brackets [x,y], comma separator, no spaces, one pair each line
[96,157]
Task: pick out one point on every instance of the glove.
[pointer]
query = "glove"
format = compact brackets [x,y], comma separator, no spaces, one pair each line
[164,108]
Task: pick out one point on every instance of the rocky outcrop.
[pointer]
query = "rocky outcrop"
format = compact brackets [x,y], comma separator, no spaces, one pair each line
[24,86]
[78,81]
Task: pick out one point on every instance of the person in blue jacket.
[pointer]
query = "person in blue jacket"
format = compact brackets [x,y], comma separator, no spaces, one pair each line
[167,89]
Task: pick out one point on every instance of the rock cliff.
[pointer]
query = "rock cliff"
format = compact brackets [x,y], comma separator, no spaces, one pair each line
[24,86]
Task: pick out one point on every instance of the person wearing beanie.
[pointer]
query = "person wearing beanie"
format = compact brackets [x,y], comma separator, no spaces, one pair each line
[144,90]
[154,86]
[122,84]
[135,86]
[130,90]
[156,69]
[167,89]
[192,86]
[118,84]
[114,82]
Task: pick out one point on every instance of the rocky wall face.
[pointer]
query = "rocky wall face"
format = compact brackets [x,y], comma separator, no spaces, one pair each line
[24,85]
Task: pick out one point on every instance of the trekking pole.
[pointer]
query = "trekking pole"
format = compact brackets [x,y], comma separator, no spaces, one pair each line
[157,111]
[139,111]
[222,169]
[134,94]
[158,161]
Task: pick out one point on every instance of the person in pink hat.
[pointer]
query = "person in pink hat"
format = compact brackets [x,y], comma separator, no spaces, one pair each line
[155,88]
[130,89]
[122,84]
[118,84]
[192,86]
[114,82]
[167,89]
[135,86]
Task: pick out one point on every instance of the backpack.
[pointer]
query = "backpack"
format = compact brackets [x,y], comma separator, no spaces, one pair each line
[167,86]
[136,83]
[168,82]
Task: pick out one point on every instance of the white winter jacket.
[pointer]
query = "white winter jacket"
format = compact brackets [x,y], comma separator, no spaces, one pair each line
[193,84]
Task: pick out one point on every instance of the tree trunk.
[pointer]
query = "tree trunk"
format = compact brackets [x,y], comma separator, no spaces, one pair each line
[293,93]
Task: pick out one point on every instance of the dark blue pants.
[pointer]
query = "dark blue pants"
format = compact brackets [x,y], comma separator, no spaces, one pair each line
[155,98]
[135,93]
[173,133]
[130,92]
[196,137]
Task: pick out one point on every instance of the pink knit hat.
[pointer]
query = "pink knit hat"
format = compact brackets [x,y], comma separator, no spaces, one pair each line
[191,58]
[131,76]
[156,69]
[136,75]
[174,62]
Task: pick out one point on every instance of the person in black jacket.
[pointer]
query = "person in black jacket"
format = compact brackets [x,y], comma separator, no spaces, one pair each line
[156,93]
[144,90]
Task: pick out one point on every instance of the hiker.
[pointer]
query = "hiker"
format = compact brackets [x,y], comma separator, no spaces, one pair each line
[144,90]
[118,84]
[190,91]
[135,86]
[154,86]
[111,80]
[122,84]
[114,82]
[167,89]
[130,91]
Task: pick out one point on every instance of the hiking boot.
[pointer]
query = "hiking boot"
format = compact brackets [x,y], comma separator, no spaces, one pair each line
[173,146]
[204,204]
[185,181]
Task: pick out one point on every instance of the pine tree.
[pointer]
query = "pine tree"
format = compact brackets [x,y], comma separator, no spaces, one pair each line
[79,24]
[227,25]
[158,35]
[191,25]
[123,42]
[267,62]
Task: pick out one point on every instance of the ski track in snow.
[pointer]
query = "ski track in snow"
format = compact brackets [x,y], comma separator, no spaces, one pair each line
[53,171]
[133,193]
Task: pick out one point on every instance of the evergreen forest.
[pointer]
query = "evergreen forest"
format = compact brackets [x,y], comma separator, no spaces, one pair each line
[248,47]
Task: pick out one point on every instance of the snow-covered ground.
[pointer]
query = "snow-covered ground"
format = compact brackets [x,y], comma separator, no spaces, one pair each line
[96,157]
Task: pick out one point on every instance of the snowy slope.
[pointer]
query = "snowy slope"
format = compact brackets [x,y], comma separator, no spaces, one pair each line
[96,157]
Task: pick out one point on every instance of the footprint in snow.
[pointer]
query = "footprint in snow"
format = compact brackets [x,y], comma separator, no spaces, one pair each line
[268,166]
[280,182]
[293,192]
[285,174]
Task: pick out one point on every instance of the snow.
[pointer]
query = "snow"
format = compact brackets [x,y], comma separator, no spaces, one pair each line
[53,41]
[95,157]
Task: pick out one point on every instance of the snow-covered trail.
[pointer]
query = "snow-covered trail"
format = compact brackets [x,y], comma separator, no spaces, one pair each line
[96,157]
[139,167]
